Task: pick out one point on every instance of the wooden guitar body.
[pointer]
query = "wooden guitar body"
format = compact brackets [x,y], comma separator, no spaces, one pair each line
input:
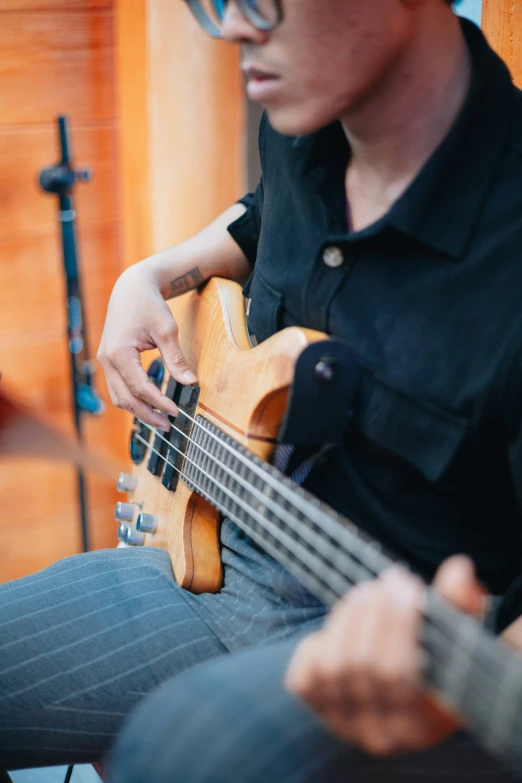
[243,391]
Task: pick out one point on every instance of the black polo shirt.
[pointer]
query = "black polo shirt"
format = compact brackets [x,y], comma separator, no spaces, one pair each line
[430,300]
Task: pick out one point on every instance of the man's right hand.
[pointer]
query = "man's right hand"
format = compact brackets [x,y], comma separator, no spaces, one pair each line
[138,319]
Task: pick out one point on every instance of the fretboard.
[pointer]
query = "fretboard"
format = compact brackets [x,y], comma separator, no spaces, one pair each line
[466,664]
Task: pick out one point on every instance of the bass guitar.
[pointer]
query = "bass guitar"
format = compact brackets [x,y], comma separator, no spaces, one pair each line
[216,461]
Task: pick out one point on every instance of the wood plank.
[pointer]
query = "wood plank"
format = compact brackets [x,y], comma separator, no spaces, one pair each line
[25,210]
[34,266]
[72,53]
[132,95]
[57,56]
[52,485]
[197,124]
[54,5]
[502,24]
[40,541]
[40,370]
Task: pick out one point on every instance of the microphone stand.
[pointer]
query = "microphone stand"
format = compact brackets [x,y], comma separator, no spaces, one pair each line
[60,180]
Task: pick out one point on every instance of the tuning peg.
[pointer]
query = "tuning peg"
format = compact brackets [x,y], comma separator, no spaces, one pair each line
[134,537]
[147,523]
[126,482]
[122,531]
[124,512]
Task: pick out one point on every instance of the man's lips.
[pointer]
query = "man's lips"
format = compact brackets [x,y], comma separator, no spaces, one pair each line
[255,74]
[260,84]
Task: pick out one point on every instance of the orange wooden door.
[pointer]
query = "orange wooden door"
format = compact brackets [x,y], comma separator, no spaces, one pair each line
[502,23]
[56,56]
[156,111]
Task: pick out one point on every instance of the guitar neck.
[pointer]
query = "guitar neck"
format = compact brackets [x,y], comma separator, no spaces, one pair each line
[476,675]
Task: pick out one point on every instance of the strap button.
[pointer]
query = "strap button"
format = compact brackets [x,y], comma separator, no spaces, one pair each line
[325,370]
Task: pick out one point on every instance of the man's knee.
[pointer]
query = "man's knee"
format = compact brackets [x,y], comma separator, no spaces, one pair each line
[171,730]
[226,720]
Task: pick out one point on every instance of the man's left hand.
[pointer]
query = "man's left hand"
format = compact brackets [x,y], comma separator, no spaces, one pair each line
[362,672]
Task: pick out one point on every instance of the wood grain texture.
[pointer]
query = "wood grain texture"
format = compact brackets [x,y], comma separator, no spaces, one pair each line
[34,265]
[25,210]
[45,359]
[56,56]
[236,383]
[43,540]
[502,24]
[69,70]
[132,76]
[54,5]
[197,124]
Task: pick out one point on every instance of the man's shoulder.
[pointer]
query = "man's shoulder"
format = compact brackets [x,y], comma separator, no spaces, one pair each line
[271,140]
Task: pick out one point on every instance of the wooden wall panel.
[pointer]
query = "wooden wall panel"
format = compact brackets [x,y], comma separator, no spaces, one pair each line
[42,540]
[70,66]
[28,261]
[156,111]
[197,124]
[25,210]
[56,56]
[502,23]
[132,95]
[182,132]
[54,5]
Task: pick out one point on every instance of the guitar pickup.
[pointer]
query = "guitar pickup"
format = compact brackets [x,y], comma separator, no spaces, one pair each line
[186,398]
[160,444]
[140,435]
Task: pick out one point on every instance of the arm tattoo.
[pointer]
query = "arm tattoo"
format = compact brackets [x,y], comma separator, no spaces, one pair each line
[186,282]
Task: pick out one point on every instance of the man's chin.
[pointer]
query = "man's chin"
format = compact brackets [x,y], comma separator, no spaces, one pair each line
[295,121]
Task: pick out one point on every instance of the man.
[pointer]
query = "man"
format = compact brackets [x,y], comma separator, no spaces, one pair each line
[389,215]
[405,87]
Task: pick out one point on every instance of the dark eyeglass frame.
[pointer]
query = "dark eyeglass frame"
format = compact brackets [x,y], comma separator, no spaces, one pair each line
[251,14]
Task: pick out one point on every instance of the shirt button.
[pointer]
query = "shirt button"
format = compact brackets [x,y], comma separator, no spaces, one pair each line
[333,256]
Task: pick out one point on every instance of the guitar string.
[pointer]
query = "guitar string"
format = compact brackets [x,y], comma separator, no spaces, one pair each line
[337,532]
[437,637]
[328,520]
[328,594]
[337,524]
[277,534]
[306,556]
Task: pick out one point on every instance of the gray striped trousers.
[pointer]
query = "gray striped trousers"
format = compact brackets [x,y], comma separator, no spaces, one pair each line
[84,643]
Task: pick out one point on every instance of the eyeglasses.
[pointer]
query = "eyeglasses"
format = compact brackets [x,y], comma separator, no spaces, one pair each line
[262,14]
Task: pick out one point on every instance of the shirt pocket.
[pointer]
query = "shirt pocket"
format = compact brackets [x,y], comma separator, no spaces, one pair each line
[265,311]
[423,433]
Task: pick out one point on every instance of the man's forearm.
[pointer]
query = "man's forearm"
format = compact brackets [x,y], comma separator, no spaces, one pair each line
[211,253]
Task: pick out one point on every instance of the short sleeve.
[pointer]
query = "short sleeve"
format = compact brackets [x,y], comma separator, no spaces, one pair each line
[246,229]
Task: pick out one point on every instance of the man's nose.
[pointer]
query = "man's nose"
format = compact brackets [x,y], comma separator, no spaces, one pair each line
[236,28]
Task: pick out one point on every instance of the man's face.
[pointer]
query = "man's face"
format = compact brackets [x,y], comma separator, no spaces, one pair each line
[325,59]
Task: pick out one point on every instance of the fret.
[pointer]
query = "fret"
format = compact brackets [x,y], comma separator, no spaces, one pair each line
[328,554]
[478,676]
[265,502]
[455,674]
[206,463]
[222,456]
[506,702]
[267,532]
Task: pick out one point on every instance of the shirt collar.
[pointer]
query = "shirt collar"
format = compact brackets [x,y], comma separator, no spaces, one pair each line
[440,206]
